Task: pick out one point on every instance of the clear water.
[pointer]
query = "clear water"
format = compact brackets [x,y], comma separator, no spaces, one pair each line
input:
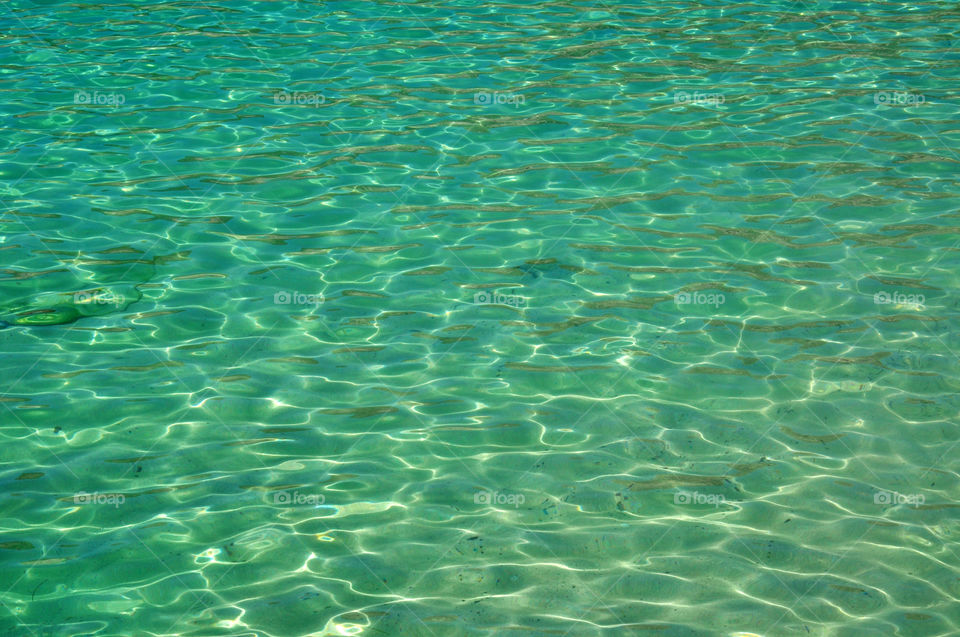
[479,318]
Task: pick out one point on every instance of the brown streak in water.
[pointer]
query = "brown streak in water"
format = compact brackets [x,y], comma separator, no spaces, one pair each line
[360,412]
[553,369]
[625,248]
[192,346]
[233,379]
[429,271]
[564,325]
[873,359]
[132,460]
[808,438]
[294,359]
[673,480]
[201,275]
[20,276]
[247,443]
[147,368]
[144,315]
[637,304]
[281,239]
[778,328]
[360,249]
[70,374]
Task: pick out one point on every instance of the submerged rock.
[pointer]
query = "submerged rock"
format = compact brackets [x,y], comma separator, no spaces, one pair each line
[59,308]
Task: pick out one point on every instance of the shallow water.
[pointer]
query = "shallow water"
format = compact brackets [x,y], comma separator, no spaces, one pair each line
[456,318]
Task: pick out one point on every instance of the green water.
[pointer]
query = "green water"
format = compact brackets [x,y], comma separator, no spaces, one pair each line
[463,318]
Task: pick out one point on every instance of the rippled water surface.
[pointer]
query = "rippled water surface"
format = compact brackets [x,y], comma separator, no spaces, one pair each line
[446,318]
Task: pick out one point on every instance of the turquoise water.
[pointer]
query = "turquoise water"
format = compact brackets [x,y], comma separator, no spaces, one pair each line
[479,318]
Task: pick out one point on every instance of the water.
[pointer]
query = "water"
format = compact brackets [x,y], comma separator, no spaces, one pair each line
[457,318]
